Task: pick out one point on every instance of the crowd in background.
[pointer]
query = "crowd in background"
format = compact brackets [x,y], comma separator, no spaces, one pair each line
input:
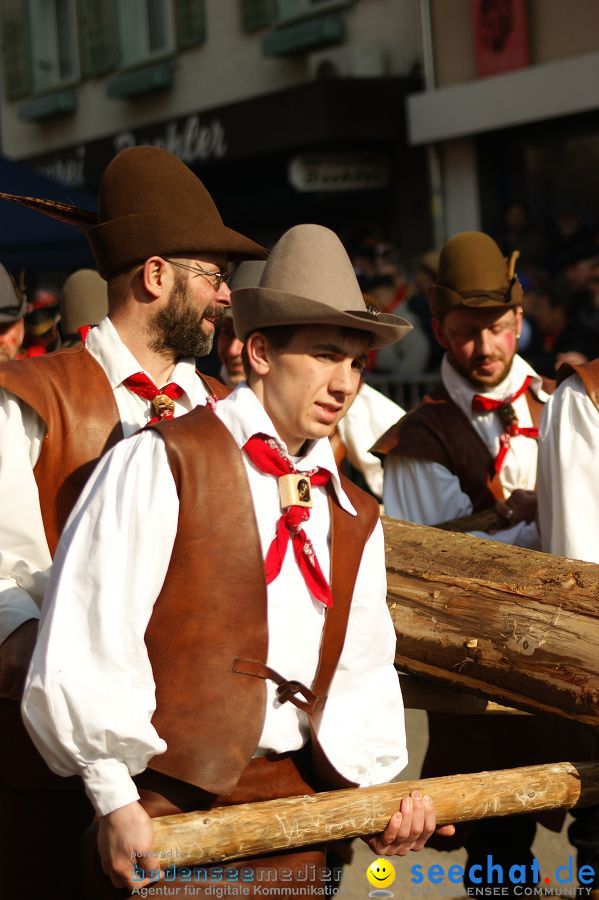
[558,268]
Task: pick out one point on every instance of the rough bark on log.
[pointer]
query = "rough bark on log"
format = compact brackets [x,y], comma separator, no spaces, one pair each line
[234,832]
[514,625]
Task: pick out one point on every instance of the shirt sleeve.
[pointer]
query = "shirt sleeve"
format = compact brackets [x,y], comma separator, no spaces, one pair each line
[90,692]
[362,729]
[422,492]
[427,493]
[370,416]
[568,486]
[24,555]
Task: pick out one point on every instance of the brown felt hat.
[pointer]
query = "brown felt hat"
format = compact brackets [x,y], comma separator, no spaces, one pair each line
[84,300]
[309,280]
[474,273]
[12,305]
[151,203]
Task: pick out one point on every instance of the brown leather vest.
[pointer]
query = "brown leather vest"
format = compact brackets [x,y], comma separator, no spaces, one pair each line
[72,395]
[208,636]
[588,374]
[439,431]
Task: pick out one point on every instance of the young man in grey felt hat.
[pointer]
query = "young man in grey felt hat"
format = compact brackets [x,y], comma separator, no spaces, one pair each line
[253,658]
[12,307]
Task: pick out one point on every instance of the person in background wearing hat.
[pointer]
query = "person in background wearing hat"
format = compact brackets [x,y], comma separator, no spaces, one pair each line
[83,304]
[229,347]
[470,445]
[159,242]
[473,442]
[307,652]
[12,328]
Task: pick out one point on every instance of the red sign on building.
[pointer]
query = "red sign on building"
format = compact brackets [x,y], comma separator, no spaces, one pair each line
[500,35]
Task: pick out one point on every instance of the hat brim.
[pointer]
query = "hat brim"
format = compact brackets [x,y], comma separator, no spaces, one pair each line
[118,244]
[255,308]
[10,314]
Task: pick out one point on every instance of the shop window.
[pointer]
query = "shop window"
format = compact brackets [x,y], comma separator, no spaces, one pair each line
[190,22]
[15,50]
[256,14]
[146,30]
[98,36]
[53,43]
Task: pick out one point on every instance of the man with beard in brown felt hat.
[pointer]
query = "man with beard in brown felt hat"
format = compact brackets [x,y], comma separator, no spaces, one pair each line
[253,660]
[160,244]
[470,445]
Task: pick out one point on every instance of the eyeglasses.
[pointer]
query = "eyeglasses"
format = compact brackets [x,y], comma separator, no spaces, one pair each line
[215,278]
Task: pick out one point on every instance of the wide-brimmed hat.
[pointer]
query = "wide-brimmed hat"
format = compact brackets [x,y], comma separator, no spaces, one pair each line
[473,272]
[84,300]
[309,280]
[247,274]
[12,303]
[149,203]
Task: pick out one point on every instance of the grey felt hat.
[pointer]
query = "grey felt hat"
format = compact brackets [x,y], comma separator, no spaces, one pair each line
[308,279]
[12,305]
[84,300]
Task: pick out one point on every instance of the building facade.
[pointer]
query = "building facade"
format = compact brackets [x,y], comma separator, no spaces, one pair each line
[289,110]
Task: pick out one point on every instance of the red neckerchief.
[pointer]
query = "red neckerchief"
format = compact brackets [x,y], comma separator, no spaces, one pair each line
[265,454]
[508,417]
[161,399]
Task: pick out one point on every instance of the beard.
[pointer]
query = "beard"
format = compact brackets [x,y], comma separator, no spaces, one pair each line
[480,381]
[176,330]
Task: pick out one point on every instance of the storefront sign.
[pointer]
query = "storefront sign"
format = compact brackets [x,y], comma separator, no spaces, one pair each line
[339,172]
[191,139]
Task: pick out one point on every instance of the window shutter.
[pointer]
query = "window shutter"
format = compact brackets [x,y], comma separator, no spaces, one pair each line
[98,36]
[190,23]
[15,40]
[256,14]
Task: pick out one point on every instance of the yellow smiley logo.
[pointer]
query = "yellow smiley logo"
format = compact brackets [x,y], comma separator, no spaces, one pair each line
[380,873]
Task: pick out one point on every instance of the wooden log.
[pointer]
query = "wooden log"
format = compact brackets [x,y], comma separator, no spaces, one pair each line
[513,625]
[485,520]
[237,832]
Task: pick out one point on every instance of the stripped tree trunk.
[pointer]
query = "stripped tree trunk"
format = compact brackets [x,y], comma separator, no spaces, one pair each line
[513,625]
[235,832]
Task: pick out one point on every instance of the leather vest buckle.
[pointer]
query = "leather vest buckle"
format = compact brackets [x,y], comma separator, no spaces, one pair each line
[287,690]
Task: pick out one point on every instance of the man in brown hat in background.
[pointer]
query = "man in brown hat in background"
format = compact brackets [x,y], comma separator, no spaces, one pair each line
[284,636]
[473,442]
[160,244]
[470,445]
[12,308]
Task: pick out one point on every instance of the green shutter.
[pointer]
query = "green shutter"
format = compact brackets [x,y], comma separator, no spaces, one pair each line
[98,36]
[190,23]
[16,55]
[256,14]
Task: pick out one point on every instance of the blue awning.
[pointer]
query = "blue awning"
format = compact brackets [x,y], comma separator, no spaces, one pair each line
[30,240]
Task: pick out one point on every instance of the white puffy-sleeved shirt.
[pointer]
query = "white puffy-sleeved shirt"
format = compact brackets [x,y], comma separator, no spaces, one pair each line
[568,474]
[24,555]
[427,493]
[368,418]
[90,693]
